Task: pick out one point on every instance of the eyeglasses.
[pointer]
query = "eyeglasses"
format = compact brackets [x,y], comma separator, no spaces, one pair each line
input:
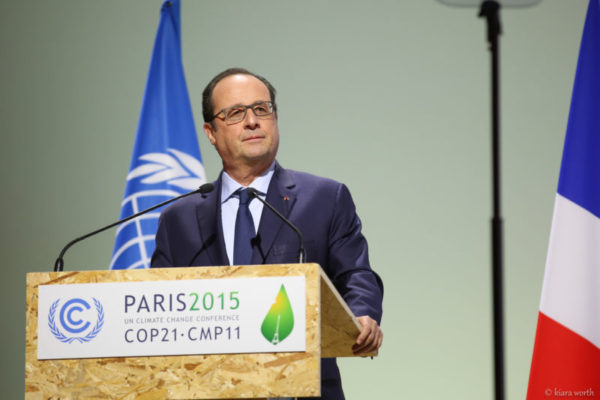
[262,109]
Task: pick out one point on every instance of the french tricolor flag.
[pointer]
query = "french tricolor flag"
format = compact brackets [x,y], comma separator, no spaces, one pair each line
[566,355]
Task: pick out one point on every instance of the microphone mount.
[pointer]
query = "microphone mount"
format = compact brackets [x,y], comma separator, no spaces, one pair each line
[59,263]
[301,253]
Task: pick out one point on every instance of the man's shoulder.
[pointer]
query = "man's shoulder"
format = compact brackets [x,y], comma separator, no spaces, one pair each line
[315,187]
[301,178]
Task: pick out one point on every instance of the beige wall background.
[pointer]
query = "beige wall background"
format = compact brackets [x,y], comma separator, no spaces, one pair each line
[389,97]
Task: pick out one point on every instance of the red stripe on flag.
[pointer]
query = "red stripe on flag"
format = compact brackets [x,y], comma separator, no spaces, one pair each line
[565,365]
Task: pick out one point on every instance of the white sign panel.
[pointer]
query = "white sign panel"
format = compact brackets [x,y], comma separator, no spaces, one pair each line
[210,316]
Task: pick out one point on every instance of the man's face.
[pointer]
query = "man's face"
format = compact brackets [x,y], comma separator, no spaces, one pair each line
[252,141]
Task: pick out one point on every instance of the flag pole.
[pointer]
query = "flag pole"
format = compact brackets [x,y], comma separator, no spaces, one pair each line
[490,11]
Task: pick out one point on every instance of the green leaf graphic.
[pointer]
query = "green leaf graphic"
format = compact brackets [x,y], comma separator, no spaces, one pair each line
[279,322]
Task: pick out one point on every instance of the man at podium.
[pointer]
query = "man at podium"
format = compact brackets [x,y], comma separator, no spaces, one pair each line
[227,226]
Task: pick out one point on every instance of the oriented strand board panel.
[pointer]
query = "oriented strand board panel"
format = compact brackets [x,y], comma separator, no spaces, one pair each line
[339,328]
[176,377]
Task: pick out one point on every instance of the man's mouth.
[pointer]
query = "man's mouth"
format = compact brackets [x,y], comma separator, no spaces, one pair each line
[253,137]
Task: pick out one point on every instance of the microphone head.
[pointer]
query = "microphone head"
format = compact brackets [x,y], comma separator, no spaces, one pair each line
[253,193]
[206,188]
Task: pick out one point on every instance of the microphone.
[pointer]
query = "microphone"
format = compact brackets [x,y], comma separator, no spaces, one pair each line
[58,265]
[301,254]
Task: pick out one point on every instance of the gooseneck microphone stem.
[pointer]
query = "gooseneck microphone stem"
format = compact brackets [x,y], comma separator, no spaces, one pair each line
[301,254]
[490,11]
[58,265]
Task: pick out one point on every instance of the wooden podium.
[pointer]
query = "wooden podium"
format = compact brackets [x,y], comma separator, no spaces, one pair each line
[331,330]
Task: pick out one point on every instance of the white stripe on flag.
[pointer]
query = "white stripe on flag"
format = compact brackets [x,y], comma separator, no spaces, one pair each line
[571,291]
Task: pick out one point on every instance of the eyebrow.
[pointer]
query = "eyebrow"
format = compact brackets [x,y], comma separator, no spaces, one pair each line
[251,104]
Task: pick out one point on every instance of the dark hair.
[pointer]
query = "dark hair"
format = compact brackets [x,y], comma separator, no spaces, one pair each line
[207,104]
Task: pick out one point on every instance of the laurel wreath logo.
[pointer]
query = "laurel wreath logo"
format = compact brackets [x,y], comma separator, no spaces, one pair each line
[177,169]
[60,336]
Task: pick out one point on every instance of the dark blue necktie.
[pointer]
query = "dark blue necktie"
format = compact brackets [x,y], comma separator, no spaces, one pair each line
[244,231]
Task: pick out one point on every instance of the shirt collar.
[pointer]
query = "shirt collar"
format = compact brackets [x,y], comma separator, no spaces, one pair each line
[261,183]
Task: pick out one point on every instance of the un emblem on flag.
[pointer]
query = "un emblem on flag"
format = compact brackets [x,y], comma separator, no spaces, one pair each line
[156,177]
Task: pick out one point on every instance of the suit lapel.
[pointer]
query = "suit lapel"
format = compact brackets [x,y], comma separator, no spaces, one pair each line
[208,215]
[282,196]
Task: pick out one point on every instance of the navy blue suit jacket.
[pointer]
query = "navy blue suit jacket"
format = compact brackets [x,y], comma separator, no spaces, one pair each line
[190,234]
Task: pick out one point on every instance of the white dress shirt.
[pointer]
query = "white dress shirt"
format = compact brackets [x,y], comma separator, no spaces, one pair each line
[231,201]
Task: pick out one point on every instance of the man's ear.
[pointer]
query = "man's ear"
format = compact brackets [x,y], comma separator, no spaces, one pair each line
[210,132]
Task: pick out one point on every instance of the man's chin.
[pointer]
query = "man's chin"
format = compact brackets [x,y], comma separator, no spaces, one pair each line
[259,157]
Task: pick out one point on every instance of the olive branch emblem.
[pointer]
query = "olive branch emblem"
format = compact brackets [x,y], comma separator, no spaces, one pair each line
[177,169]
[60,336]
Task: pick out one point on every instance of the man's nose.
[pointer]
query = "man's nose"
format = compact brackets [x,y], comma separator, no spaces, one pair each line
[251,121]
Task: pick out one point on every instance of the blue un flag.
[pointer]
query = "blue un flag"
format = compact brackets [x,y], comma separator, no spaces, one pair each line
[166,158]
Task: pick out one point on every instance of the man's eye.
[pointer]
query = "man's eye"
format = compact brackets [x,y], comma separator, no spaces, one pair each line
[261,109]
[235,112]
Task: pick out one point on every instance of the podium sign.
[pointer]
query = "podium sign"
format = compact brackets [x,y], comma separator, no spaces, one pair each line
[70,299]
[208,316]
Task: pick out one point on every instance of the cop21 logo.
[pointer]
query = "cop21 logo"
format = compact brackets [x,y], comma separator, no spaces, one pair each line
[279,321]
[68,323]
